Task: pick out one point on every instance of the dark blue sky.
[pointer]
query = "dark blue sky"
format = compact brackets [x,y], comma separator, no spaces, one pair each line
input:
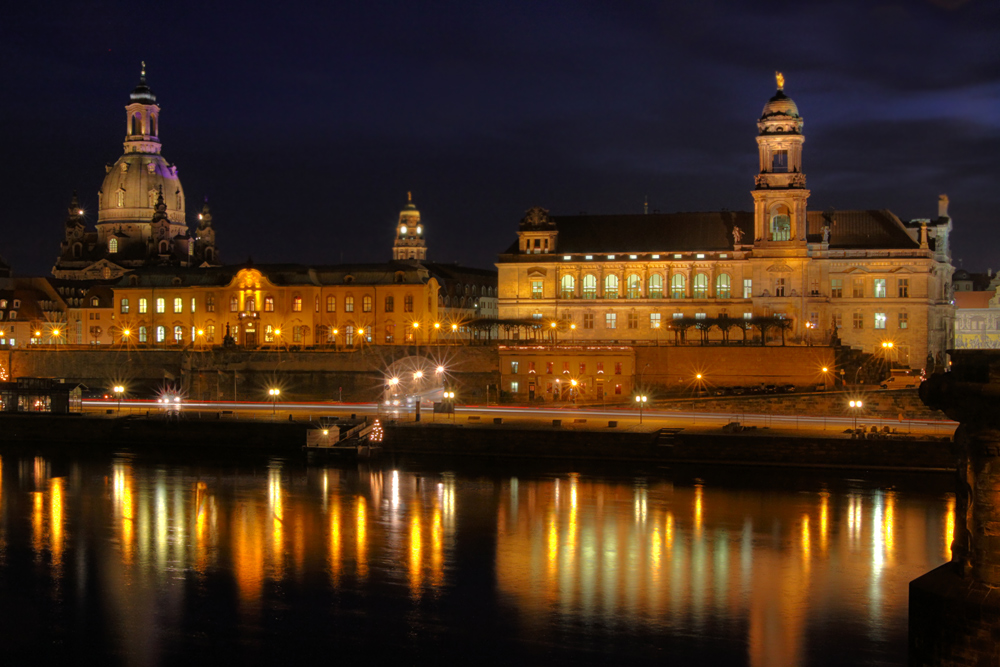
[306,124]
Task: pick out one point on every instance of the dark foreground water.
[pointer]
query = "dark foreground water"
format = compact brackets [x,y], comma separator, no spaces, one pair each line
[137,560]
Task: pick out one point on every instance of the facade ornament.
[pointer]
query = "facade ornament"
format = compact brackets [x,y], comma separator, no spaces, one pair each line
[760,181]
[826,234]
[798,180]
[780,78]
[737,236]
[536,216]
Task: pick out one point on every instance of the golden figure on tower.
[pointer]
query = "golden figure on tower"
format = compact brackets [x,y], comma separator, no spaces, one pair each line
[781,80]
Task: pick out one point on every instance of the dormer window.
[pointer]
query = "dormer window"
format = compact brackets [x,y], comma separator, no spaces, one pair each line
[113,246]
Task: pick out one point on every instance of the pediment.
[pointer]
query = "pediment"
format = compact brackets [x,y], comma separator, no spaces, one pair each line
[537,272]
[780,267]
[250,279]
[854,269]
[903,269]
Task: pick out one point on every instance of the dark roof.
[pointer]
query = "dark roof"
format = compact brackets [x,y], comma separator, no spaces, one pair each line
[860,229]
[280,274]
[657,232]
[465,274]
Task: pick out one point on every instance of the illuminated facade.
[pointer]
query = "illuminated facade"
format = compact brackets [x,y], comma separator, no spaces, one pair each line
[865,276]
[567,372]
[977,319]
[141,219]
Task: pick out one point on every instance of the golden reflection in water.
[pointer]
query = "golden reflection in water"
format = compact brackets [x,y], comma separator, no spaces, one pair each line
[335,539]
[669,531]
[806,543]
[37,522]
[200,522]
[698,492]
[888,525]
[824,521]
[56,524]
[878,533]
[416,551]
[361,512]
[949,526]
[248,552]
[277,509]
[437,548]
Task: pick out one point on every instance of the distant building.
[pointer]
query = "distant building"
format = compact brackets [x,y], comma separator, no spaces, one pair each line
[141,210]
[977,319]
[863,276]
[966,281]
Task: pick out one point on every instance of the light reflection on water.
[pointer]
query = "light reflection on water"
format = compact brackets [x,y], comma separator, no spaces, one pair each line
[773,576]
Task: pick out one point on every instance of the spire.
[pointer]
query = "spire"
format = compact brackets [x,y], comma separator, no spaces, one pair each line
[409,243]
[142,94]
[74,217]
[410,206]
[161,207]
[205,217]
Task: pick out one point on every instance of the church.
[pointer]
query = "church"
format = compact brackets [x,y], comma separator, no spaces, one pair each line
[863,278]
[141,209]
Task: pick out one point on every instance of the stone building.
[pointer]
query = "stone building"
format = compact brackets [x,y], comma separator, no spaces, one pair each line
[864,276]
[141,209]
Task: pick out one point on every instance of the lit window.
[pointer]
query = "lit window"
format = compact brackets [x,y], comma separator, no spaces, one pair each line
[611,287]
[210,333]
[268,304]
[124,307]
[567,257]
[880,290]
[678,287]
[904,321]
[297,304]
[142,334]
[700,286]
[656,256]
[161,305]
[678,316]
[611,256]
[722,286]
[113,245]
[610,320]
[700,255]
[700,316]
[748,316]
[655,286]
[142,305]
[590,257]
[178,305]
[366,304]
[268,334]
[781,223]
[654,320]
[590,286]
[748,288]
[178,333]
[161,334]
[633,285]
[192,304]
[633,257]
[568,287]
[536,289]
[513,368]
[677,255]
[880,320]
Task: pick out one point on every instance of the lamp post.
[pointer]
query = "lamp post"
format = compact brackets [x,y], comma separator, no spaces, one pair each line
[274,393]
[555,332]
[572,332]
[855,406]
[119,390]
[572,390]
[641,400]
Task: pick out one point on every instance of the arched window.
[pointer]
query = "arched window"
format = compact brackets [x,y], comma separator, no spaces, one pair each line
[209,254]
[590,286]
[152,124]
[113,245]
[268,304]
[234,303]
[349,335]
[178,333]
[568,286]
[723,286]
[164,247]
[297,304]
[611,287]
[366,304]
[142,335]
[348,304]
[700,286]
[678,286]
[781,223]
[137,123]
[655,286]
[634,285]
[161,334]
[251,304]
[390,331]
[77,250]
[94,302]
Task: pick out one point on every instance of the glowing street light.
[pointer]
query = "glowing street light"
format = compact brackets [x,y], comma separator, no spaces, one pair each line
[119,390]
[855,406]
[641,400]
[439,370]
[274,393]
[417,375]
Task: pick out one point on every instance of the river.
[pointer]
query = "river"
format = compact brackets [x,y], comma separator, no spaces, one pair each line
[182,559]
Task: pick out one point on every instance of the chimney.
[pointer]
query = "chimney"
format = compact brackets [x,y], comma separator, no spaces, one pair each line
[943,206]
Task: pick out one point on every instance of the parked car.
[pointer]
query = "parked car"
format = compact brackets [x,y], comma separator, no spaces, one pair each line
[788,389]
[771,389]
[739,391]
[901,382]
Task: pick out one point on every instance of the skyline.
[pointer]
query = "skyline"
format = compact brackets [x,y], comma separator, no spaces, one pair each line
[307,129]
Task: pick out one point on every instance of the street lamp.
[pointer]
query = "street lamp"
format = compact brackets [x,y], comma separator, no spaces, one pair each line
[119,390]
[855,406]
[572,332]
[274,393]
[641,400]
[555,334]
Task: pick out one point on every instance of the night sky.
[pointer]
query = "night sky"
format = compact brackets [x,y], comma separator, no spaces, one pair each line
[306,124]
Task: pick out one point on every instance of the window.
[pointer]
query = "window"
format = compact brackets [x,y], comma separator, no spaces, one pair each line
[514,387]
[779,162]
[536,289]
[611,320]
[655,286]
[880,291]
[366,304]
[618,368]
[618,389]
[838,321]
[389,303]
[590,286]
[588,320]
[583,368]
[836,288]
[210,333]
[859,321]
[113,246]
[880,320]
[210,303]
[722,286]
[600,367]
[349,304]
[234,304]
[178,333]
[566,367]
[161,334]
[633,320]
[678,316]
[268,334]
[904,321]
[859,288]
[250,303]
[408,303]
[124,307]
[904,287]
[192,304]
[513,368]
[700,316]
[142,334]
[178,305]
[268,304]
[678,288]
[316,303]
[296,334]
[781,223]
[297,304]
[531,367]
[568,284]
[611,287]
[654,320]
[349,335]
[779,287]
[549,366]
[161,305]
[634,286]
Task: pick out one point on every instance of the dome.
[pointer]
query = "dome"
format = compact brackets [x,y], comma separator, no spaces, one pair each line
[131,187]
[780,105]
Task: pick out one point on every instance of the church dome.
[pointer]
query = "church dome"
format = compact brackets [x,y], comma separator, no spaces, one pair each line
[780,105]
[131,188]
